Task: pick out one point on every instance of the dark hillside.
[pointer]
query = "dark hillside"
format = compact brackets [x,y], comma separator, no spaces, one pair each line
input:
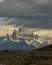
[41,56]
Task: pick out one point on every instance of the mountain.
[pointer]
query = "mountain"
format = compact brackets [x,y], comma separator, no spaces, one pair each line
[23,39]
[9,45]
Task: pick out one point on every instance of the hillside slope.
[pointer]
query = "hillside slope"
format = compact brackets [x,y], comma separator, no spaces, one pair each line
[35,57]
[47,48]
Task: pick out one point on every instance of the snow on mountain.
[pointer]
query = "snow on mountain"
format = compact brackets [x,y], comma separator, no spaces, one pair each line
[24,38]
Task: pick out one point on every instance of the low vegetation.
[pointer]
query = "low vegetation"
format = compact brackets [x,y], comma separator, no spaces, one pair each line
[35,57]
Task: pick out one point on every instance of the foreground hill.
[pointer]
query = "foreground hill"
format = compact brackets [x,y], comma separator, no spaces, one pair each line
[47,48]
[35,57]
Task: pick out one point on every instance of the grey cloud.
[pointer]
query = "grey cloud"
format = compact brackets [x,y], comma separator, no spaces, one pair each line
[26,8]
[37,23]
[28,12]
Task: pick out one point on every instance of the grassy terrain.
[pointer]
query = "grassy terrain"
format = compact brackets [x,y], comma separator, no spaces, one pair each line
[38,57]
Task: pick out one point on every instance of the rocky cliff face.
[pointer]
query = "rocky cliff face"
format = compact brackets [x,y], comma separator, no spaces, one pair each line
[25,38]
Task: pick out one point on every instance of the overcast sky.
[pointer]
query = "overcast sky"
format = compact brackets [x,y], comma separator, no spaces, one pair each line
[36,10]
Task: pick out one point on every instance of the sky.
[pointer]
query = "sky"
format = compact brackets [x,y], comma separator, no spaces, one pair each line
[25,10]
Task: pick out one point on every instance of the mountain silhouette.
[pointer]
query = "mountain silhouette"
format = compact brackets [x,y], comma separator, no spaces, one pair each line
[11,45]
[46,48]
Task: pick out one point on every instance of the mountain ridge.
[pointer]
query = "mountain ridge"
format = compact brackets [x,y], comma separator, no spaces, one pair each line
[31,38]
[46,48]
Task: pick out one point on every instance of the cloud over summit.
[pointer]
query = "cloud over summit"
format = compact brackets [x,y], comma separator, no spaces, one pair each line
[35,11]
[26,8]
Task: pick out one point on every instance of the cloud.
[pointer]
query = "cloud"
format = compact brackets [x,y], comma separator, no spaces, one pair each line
[5,20]
[26,8]
[35,11]
[31,22]
[1,0]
